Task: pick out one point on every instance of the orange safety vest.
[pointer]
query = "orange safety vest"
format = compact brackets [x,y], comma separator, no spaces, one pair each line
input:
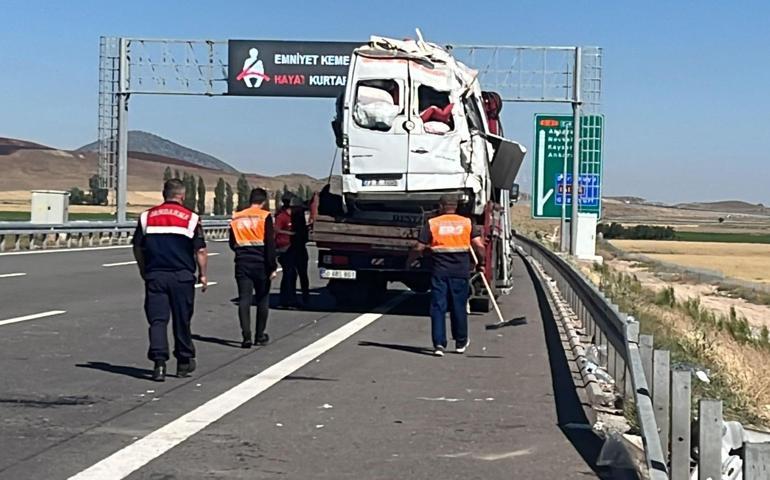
[248,227]
[450,233]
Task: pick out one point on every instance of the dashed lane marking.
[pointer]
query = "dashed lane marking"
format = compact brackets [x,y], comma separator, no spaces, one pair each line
[119,264]
[32,317]
[9,275]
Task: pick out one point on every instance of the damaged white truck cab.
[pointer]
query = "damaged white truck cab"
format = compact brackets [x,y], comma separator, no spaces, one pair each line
[412,127]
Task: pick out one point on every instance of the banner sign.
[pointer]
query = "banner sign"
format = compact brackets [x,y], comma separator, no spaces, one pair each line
[266,68]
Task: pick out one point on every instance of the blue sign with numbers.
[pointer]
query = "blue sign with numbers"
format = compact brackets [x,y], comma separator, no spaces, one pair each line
[588,196]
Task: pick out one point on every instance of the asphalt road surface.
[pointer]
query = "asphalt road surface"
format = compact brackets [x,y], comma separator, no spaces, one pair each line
[337,394]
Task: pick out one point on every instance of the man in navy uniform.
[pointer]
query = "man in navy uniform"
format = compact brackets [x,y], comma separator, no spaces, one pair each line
[168,245]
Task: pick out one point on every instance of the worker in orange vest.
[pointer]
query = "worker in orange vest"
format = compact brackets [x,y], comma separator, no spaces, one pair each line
[252,239]
[284,231]
[450,238]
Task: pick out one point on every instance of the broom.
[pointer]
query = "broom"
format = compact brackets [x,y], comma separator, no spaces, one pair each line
[501,322]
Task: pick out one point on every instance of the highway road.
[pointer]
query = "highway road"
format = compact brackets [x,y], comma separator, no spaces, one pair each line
[337,394]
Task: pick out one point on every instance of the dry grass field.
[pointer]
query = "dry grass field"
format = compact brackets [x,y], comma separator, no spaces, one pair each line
[745,261]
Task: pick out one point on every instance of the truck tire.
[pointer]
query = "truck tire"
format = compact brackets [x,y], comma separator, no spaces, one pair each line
[480,305]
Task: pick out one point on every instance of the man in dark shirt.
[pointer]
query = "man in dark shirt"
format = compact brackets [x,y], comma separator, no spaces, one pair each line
[299,247]
[168,244]
[252,238]
[449,237]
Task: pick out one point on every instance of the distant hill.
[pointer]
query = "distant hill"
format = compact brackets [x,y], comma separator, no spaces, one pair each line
[147,143]
[728,206]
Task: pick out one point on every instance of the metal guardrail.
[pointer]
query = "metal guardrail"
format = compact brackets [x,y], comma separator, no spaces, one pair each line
[661,396]
[18,236]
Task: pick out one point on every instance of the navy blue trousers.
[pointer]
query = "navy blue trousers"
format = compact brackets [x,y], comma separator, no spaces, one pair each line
[169,294]
[449,293]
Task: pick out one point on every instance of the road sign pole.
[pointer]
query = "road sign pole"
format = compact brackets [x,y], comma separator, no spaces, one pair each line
[563,246]
[121,197]
[575,152]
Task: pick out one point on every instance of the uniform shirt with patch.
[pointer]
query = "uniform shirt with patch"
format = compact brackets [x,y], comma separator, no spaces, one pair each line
[450,264]
[170,251]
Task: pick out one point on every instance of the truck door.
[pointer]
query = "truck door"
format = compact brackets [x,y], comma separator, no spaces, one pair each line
[375,130]
[434,143]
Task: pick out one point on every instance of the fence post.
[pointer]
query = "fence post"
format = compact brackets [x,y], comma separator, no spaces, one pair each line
[645,351]
[661,394]
[710,440]
[756,461]
[681,397]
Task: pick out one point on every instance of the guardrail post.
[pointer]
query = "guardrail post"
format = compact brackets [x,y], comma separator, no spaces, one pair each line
[710,440]
[681,398]
[645,351]
[756,461]
[632,336]
[661,377]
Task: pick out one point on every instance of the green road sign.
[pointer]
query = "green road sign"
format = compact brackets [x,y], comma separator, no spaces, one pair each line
[553,150]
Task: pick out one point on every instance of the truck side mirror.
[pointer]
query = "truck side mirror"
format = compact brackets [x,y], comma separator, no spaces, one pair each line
[514,197]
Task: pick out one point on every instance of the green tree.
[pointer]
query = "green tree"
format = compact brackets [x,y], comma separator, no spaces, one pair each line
[189,191]
[176,174]
[277,197]
[201,196]
[244,190]
[219,197]
[228,199]
[285,188]
[301,192]
[77,196]
[98,194]
[167,174]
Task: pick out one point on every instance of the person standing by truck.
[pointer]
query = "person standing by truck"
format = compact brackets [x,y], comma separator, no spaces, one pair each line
[299,248]
[253,241]
[284,231]
[449,237]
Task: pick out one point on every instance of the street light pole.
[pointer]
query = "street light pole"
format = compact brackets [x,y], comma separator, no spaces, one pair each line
[575,152]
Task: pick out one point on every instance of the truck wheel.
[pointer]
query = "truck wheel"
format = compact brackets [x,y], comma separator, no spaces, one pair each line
[480,305]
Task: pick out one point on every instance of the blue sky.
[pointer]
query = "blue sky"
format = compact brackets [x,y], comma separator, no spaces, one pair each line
[686,84]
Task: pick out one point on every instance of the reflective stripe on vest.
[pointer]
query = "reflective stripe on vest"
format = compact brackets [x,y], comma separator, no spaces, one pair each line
[248,227]
[169,218]
[450,233]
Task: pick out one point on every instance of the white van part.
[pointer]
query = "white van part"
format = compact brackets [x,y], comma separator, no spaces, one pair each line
[413,123]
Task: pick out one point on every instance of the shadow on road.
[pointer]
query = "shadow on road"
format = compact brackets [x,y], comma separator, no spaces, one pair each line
[217,341]
[140,373]
[292,378]
[400,348]
[571,416]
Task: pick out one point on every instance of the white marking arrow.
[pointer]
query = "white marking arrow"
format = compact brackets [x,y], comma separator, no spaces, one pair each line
[540,180]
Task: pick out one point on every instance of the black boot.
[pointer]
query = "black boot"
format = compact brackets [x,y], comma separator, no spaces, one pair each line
[159,372]
[264,339]
[185,369]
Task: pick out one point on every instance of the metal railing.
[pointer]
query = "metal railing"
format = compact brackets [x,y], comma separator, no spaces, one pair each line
[19,236]
[661,396]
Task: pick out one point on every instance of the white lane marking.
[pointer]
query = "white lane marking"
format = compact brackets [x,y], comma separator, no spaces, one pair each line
[9,275]
[199,285]
[118,264]
[220,240]
[32,317]
[62,250]
[122,463]
[213,254]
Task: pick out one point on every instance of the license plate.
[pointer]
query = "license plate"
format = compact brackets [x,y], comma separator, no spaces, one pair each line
[341,274]
[380,182]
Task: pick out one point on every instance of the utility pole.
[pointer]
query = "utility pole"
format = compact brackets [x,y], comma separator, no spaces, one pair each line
[575,152]
[121,195]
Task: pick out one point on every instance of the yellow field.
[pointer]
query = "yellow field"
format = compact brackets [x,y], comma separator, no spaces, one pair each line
[745,261]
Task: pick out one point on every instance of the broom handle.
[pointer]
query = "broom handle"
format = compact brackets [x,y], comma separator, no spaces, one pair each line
[489,290]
